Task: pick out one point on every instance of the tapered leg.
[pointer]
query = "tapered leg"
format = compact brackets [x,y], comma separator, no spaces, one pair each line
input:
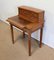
[11,27]
[29,43]
[41,32]
[23,34]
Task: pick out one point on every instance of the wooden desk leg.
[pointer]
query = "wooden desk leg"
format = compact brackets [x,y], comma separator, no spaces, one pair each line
[11,27]
[29,43]
[41,31]
[23,34]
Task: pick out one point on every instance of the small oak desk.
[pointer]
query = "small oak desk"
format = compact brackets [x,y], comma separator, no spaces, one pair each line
[28,20]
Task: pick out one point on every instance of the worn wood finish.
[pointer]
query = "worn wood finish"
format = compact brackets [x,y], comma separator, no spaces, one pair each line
[29,20]
[11,27]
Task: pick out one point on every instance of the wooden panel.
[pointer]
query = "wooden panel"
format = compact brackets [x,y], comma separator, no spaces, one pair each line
[41,17]
[31,14]
[36,10]
[28,15]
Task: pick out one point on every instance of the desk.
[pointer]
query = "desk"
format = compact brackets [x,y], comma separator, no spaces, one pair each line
[28,20]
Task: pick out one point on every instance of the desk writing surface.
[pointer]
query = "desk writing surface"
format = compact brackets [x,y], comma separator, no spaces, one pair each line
[15,20]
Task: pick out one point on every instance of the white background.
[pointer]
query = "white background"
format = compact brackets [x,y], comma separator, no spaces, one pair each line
[9,8]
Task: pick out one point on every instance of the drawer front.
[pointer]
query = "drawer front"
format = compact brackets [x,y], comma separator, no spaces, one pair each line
[28,15]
